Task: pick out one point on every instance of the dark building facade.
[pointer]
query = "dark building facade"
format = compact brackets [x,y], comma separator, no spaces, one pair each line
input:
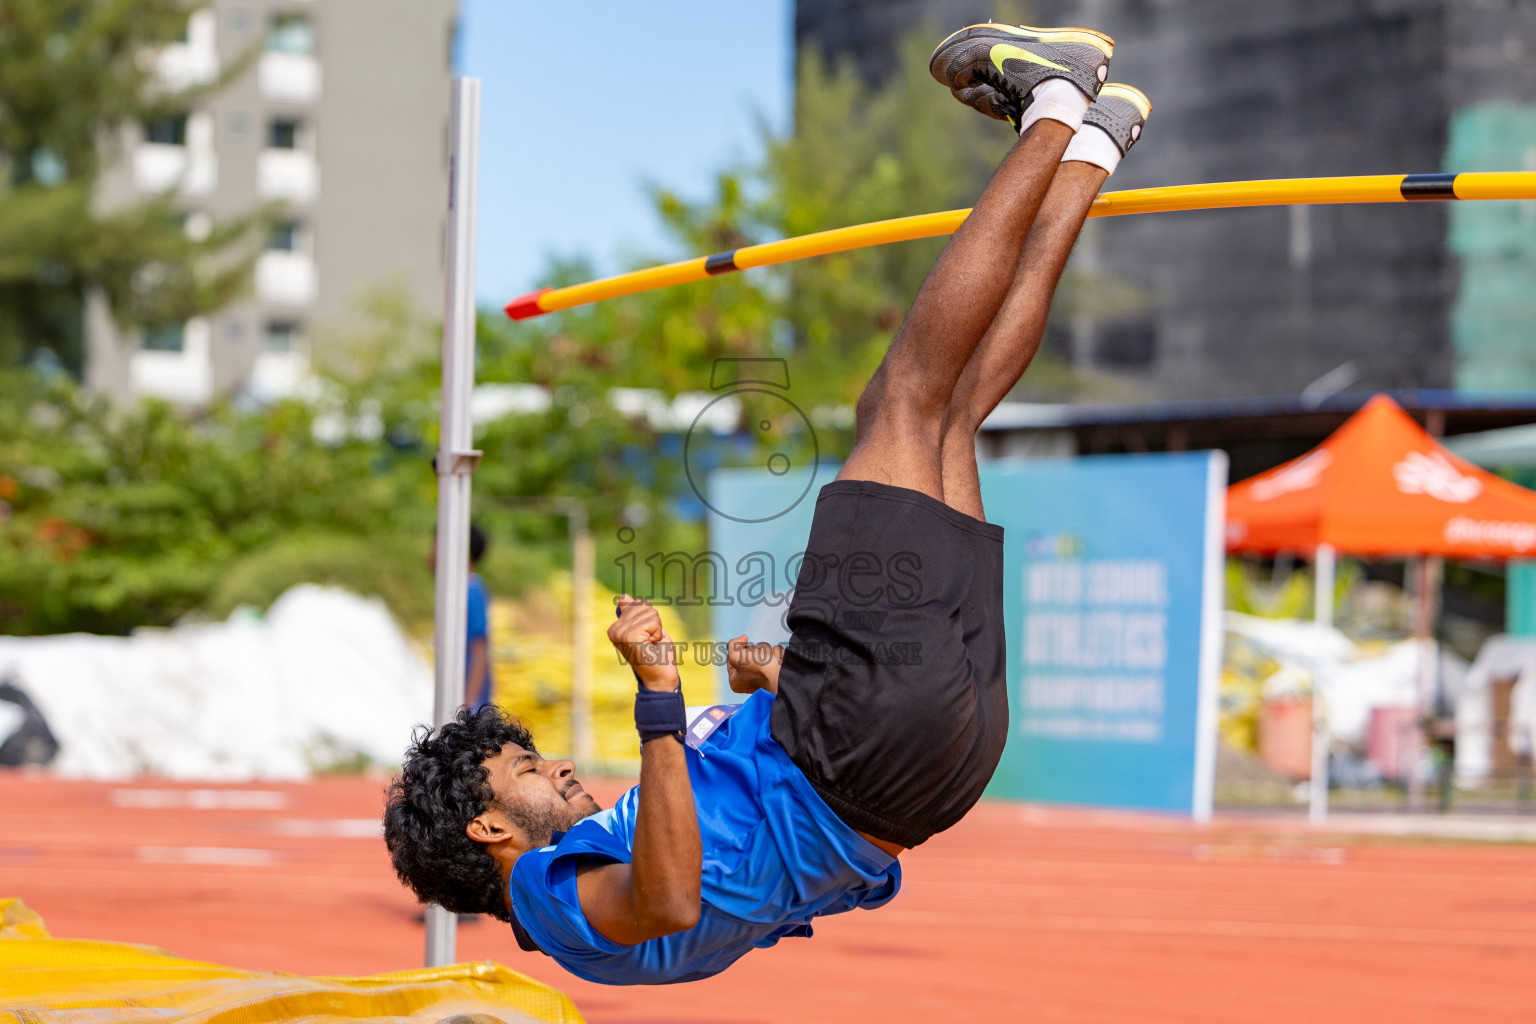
[1267,301]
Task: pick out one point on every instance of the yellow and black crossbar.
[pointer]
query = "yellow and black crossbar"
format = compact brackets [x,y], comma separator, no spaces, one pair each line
[1373,188]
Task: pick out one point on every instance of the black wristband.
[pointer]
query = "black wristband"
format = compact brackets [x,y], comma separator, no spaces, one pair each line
[660,713]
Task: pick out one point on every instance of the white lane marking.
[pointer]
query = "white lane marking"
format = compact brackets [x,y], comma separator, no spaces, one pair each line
[231,856]
[329,828]
[201,799]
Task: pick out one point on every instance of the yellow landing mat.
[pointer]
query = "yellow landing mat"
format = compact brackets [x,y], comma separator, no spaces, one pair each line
[44,980]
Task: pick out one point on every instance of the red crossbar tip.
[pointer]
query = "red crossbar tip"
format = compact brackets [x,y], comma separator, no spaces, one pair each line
[525,306]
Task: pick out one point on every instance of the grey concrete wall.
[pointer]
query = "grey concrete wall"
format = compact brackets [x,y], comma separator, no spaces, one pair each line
[870,32]
[1265,301]
[383,137]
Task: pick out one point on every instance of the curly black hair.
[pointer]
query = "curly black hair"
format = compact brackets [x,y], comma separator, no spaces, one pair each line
[443,785]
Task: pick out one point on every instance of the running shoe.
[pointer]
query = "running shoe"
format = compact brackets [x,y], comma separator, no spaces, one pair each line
[989,101]
[1121,111]
[1013,59]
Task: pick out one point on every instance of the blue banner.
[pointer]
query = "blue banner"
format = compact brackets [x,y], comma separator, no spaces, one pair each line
[1112,595]
[1112,577]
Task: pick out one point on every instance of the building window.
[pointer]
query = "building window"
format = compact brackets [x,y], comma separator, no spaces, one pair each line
[284,237]
[164,338]
[291,33]
[167,131]
[280,336]
[284,134]
[1126,345]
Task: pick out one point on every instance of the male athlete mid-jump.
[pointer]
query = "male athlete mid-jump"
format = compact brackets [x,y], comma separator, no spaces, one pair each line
[799,803]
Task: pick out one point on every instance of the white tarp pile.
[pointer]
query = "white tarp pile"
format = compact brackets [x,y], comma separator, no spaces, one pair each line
[324,678]
[1354,678]
[1500,657]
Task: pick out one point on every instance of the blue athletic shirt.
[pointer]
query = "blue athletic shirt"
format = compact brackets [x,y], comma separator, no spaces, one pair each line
[775,856]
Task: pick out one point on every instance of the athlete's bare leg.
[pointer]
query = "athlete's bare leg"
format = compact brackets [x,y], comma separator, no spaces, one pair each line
[1013,337]
[902,412]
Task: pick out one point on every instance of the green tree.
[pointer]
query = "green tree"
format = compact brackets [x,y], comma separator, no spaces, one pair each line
[115,517]
[73,77]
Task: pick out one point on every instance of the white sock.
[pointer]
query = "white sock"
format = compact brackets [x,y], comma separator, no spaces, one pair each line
[1092,145]
[1059,100]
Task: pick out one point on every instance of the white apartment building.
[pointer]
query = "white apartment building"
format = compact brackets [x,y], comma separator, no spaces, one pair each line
[340,126]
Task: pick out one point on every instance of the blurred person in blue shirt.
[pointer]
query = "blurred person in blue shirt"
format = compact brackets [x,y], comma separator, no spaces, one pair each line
[477,652]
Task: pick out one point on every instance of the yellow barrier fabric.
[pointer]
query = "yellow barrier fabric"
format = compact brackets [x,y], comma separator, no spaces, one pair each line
[1372,188]
[45,980]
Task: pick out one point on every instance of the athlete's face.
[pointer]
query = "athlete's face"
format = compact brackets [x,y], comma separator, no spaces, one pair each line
[537,797]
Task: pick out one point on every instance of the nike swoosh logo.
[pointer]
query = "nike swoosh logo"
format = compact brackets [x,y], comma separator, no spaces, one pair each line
[1006,51]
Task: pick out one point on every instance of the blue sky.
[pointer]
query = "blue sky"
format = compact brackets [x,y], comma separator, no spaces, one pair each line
[583,103]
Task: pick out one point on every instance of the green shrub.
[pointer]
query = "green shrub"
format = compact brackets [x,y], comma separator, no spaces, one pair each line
[391,568]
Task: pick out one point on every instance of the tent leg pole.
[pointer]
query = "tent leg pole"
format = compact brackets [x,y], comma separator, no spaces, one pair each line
[1324,571]
[1427,572]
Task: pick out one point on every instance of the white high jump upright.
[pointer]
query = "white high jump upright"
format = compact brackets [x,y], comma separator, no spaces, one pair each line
[456,458]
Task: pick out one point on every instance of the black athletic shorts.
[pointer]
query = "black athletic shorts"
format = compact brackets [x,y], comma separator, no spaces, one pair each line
[893,697]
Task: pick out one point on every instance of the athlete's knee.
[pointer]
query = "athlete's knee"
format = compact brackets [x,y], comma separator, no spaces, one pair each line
[960,424]
[871,402]
[894,395]
[899,414]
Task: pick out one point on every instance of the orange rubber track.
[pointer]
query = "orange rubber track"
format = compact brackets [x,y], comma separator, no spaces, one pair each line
[1020,913]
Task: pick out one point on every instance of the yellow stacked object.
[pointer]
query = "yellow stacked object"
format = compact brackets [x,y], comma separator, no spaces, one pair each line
[1245,667]
[45,980]
[531,659]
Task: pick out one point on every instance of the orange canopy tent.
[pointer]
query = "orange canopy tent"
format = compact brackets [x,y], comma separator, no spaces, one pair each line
[1380,485]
